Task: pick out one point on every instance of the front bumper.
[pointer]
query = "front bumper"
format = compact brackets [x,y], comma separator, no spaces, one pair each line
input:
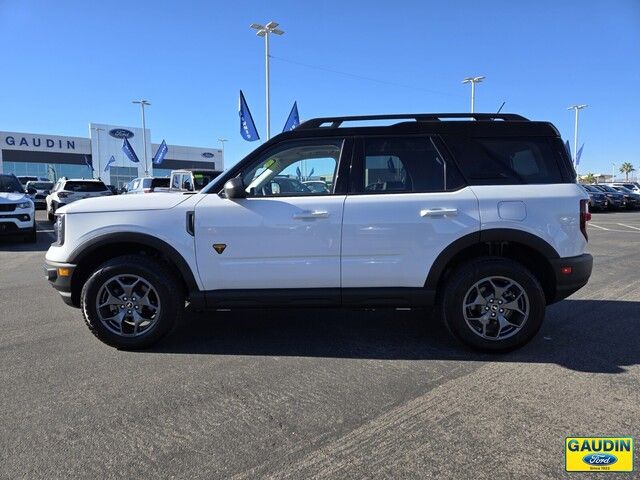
[59,276]
[571,273]
[16,223]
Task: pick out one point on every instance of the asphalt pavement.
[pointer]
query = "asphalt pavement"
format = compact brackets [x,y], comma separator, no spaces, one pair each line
[302,394]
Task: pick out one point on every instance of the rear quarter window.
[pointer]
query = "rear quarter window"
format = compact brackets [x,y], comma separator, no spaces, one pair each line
[510,160]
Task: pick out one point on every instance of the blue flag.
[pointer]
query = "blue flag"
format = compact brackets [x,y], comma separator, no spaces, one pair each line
[298,173]
[247,126]
[294,119]
[311,173]
[128,151]
[158,158]
[568,147]
[579,154]
[88,162]
[111,160]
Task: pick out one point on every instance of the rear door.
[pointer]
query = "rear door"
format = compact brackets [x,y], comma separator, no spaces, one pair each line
[407,202]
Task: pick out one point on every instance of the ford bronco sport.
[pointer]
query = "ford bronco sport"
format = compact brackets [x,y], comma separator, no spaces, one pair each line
[478,215]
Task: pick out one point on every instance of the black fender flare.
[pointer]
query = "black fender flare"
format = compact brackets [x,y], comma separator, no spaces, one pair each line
[86,249]
[486,236]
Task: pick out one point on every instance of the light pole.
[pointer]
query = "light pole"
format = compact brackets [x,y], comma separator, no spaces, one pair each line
[613,172]
[144,103]
[577,109]
[264,31]
[222,140]
[98,129]
[473,81]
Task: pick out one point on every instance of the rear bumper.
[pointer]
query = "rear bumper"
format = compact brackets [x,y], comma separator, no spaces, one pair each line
[568,283]
[62,283]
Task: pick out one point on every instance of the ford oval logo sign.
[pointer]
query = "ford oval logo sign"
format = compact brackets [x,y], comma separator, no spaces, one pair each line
[208,155]
[599,459]
[121,133]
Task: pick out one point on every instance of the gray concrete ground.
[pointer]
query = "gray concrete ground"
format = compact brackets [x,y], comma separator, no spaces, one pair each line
[316,393]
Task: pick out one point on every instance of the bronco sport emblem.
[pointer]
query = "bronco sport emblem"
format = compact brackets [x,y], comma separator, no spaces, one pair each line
[219,247]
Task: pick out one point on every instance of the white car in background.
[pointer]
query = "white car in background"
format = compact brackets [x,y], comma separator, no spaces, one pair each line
[66,191]
[42,189]
[17,213]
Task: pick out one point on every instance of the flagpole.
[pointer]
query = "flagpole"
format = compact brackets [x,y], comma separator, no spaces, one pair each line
[98,129]
[577,109]
[144,103]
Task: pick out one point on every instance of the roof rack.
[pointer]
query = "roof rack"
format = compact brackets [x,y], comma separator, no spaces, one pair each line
[336,122]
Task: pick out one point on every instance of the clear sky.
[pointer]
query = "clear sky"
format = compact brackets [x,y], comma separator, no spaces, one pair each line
[66,63]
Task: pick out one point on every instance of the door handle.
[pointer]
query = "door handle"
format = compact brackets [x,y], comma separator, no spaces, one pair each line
[308,214]
[438,212]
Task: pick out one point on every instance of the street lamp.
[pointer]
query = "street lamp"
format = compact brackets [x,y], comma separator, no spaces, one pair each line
[264,31]
[473,81]
[613,172]
[144,103]
[98,129]
[222,140]
[577,109]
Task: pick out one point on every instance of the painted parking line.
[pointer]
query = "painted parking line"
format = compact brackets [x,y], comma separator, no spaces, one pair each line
[628,226]
[597,226]
[46,231]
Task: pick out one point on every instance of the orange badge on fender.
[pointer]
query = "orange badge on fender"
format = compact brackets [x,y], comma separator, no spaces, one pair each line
[219,247]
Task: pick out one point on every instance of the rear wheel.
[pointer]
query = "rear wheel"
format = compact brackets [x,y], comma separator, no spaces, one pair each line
[131,302]
[493,304]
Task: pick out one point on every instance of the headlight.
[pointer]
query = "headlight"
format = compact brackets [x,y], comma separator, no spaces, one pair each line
[59,229]
[25,205]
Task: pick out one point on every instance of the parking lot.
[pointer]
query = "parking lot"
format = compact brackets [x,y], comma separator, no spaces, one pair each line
[315,393]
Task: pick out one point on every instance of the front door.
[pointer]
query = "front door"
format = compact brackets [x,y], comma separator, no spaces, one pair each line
[286,234]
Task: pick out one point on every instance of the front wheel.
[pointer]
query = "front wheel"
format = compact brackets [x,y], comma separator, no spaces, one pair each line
[131,302]
[493,304]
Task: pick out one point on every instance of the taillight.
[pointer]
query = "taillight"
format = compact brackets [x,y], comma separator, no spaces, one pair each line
[585,216]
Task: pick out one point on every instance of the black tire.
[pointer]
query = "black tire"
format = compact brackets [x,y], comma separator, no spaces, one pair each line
[463,278]
[169,292]
[51,213]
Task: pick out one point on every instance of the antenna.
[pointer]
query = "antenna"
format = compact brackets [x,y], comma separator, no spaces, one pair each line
[500,109]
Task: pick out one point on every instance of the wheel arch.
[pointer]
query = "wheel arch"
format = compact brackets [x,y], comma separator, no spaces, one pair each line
[104,247]
[531,251]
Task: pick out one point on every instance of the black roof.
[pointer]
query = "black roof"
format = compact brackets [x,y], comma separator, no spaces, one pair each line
[472,124]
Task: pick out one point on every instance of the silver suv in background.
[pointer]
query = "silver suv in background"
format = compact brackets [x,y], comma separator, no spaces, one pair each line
[66,191]
[147,184]
[42,189]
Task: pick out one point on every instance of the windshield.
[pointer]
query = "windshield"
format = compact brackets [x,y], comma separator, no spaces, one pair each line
[10,184]
[85,186]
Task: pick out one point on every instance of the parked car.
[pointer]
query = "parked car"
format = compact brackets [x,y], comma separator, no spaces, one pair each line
[481,218]
[626,200]
[17,211]
[66,191]
[615,200]
[633,186]
[147,184]
[317,186]
[597,199]
[634,198]
[27,178]
[191,180]
[42,189]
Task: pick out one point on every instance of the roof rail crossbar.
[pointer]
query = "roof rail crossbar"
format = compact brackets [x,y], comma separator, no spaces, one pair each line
[336,122]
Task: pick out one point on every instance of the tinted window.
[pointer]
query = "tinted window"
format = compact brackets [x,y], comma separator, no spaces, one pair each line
[41,185]
[507,160]
[404,165]
[9,183]
[77,186]
[159,182]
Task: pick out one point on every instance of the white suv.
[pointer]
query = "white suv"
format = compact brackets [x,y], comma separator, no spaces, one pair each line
[17,212]
[66,191]
[479,216]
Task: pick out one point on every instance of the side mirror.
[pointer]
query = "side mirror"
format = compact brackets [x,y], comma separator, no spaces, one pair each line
[31,191]
[234,188]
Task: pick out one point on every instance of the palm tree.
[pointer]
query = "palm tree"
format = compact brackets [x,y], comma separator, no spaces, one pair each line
[627,168]
[589,178]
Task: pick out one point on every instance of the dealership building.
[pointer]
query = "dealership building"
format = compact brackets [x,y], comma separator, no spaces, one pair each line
[55,156]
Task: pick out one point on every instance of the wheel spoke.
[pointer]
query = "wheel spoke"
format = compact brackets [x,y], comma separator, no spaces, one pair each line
[499,291]
[478,301]
[118,317]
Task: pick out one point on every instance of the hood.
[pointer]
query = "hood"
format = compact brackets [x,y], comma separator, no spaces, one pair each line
[119,203]
[12,197]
